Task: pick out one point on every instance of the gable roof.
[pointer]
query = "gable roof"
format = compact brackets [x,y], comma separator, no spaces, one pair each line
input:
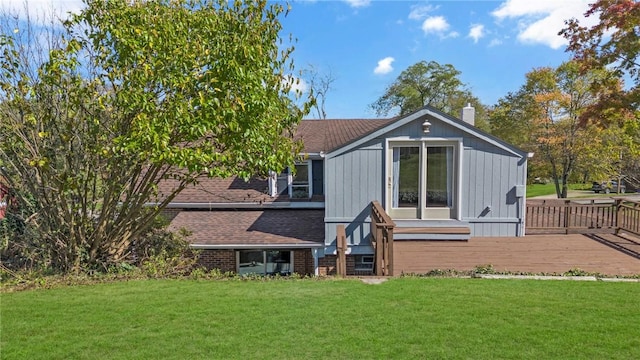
[328,135]
[436,115]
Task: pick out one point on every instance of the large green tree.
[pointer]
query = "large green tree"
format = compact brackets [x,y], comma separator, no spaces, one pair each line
[613,43]
[546,116]
[140,92]
[428,83]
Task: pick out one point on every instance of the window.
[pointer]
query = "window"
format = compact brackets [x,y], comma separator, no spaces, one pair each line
[422,179]
[439,182]
[265,262]
[300,186]
[307,181]
[364,263]
[406,184]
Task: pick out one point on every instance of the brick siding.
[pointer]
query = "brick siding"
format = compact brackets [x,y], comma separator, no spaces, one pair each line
[327,266]
[303,262]
[224,260]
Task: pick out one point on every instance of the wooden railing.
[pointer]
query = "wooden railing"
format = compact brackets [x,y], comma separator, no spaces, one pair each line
[382,240]
[588,216]
[628,216]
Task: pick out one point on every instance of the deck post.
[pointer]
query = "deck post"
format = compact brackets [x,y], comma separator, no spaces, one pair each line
[341,249]
[567,215]
[390,258]
[382,239]
[379,252]
[618,210]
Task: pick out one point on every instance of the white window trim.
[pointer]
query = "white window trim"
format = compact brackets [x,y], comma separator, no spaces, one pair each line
[367,263]
[457,144]
[273,183]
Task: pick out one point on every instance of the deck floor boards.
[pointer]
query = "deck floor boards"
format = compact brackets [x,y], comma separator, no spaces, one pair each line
[530,254]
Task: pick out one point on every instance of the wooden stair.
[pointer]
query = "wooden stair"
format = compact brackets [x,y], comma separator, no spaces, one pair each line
[431,230]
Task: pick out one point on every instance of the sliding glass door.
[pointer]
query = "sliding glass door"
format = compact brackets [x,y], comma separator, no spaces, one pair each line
[422,180]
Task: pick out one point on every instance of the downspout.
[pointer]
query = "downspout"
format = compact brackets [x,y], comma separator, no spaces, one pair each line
[316,270]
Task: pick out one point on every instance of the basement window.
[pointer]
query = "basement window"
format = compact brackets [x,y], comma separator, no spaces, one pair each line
[364,263]
[264,262]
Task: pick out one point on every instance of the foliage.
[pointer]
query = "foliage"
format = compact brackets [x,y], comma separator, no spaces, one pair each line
[19,240]
[484,269]
[140,92]
[612,42]
[427,83]
[553,115]
[508,119]
[406,318]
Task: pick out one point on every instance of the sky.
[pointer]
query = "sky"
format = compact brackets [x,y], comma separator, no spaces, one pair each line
[366,44]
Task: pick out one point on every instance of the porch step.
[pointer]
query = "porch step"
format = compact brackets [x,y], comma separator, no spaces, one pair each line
[431,230]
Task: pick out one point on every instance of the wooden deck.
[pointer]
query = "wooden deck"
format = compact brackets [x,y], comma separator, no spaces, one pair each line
[552,253]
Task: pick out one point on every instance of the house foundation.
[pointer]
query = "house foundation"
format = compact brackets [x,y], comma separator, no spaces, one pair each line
[327,266]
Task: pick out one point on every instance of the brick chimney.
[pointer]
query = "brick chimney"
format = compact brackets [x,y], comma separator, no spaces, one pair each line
[468,114]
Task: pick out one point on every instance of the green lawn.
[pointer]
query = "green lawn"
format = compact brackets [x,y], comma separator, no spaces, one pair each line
[405,318]
[549,189]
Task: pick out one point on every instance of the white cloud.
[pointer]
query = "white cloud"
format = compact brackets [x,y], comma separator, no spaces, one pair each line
[517,8]
[419,12]
[476,32]
[438,25]
[384,66]
[435,24]
[41,11]
[358,3]
[540,21]
[495,42]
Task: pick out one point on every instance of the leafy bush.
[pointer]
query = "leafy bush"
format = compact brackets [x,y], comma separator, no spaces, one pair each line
[20,243]
[156,253]
[484,269]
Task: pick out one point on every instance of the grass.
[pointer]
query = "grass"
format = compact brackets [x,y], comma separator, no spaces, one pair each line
[549,189]
[405,318]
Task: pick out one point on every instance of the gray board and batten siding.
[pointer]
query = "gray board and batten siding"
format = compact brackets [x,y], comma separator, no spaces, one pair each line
[492,175]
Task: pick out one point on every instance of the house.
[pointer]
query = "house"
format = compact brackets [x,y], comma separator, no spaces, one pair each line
[438,178]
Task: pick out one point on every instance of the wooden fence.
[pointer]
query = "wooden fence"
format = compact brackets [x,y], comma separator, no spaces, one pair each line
[382,240]
[628,217]
[582,216]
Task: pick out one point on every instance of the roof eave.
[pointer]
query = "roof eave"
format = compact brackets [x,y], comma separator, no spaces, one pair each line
[427,110]
[255,246]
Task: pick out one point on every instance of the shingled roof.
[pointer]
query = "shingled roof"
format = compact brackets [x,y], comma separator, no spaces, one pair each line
[317,136]
[271,227]
[328,135]
[217,190]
